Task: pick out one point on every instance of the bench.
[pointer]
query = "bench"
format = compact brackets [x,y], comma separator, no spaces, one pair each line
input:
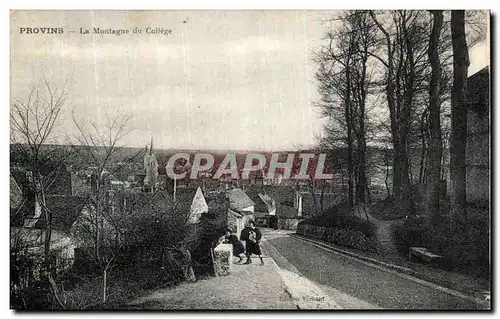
[423,254]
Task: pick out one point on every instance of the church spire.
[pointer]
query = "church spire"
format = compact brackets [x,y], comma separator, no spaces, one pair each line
[151,148]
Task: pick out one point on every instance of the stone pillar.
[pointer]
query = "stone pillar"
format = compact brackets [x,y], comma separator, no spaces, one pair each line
[223,259]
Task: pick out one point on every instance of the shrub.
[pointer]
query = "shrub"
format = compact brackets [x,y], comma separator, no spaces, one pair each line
[212,227]
[341,219]
[408,235]
[385,210]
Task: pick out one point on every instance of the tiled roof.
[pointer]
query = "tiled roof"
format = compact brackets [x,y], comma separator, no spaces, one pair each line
[64,209]
[161,201]
[57,181]
[280,193]
[238,200]
[19,175]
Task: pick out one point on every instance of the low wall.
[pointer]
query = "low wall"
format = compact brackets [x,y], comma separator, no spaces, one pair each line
[342,237]
[223,259]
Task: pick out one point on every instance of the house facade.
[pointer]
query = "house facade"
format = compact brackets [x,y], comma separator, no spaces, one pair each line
[277,206]
[28,228]
[241,209]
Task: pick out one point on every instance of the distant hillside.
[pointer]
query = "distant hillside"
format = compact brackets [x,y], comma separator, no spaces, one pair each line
[79,157]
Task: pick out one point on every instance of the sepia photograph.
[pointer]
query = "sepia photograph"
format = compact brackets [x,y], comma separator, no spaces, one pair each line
[285,160]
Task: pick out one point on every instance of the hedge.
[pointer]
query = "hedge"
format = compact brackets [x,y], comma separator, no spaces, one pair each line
[338,226]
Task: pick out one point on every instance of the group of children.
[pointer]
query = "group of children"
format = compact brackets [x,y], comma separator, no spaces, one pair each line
[252,236]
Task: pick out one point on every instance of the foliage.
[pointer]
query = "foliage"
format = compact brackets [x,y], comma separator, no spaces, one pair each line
[384,210]
[212,226]
[84,291]
[338,236]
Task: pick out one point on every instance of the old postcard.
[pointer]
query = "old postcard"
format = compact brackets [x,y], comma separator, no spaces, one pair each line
[250,160]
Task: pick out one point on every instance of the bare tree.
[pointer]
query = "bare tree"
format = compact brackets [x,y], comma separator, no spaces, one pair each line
[33,120]
[100,145]
[407,69]
[343,77]
[435,147]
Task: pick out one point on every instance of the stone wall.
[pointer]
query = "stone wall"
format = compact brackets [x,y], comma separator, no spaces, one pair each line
[477,157]
[223,259]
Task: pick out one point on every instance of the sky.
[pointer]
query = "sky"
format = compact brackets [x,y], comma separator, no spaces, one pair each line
[239,80]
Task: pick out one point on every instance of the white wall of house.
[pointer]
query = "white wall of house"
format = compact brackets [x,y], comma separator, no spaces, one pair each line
[235,219]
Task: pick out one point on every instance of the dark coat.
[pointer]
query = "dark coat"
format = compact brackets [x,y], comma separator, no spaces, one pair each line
[237,245]
[245,233]
[253,247]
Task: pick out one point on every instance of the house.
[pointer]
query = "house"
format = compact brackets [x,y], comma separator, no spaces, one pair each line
[239,201]
[477,157]
[281,205]
[28,228]
[241,209]
[265,205]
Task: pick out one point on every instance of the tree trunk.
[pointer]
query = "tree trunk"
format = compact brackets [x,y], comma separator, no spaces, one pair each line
[423,154]
[404,119]
[458,118]
[350,164]
[187,266]
[313,195]
[396,170]
[321,199]
[104,286]
[40,198]
[361,97]
[357,185]
[386,158]
[435,145]
[362,180]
